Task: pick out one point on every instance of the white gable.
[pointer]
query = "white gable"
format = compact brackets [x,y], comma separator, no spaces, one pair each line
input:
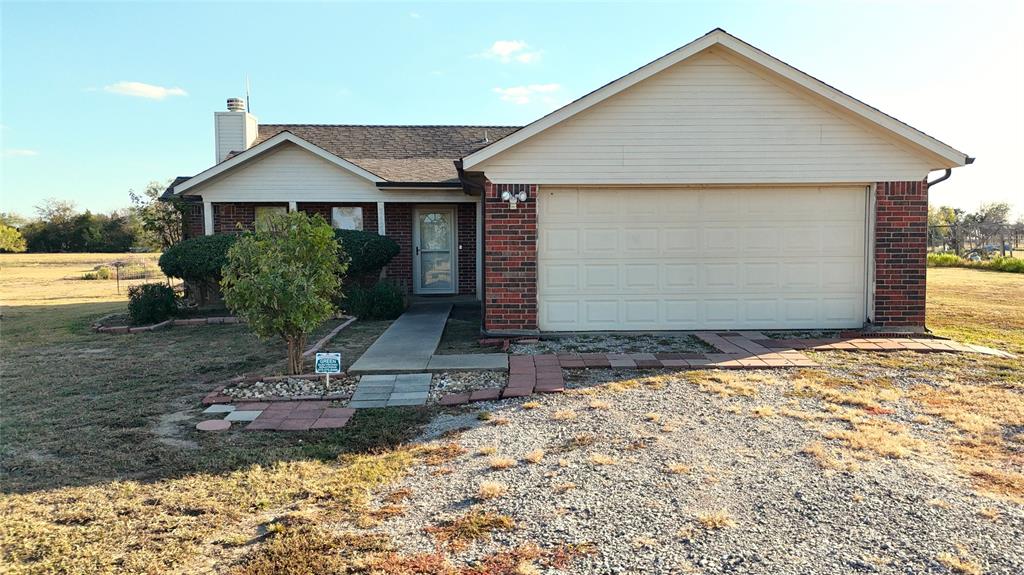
[286,173]
[709,119]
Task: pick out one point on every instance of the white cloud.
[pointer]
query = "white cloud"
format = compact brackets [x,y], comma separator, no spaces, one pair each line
[415,15]
[142,90]
[20,152]
[506,51]
[529,93]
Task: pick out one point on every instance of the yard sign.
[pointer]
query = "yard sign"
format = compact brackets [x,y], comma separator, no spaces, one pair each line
[328,363]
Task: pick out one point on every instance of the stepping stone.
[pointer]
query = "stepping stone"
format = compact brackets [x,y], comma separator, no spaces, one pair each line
[213,425]
[367,403]
[240,415]
[329,423]
[360,395]
[393,402]
[219,408]
[410,395]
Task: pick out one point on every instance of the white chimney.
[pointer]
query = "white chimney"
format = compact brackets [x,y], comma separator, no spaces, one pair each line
[235,130]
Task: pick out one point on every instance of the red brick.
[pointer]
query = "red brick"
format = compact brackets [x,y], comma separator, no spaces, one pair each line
[485,394]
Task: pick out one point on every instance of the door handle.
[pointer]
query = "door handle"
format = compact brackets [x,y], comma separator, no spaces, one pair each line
[417,250]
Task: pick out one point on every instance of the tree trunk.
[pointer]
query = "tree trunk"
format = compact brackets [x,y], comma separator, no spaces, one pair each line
[296,345]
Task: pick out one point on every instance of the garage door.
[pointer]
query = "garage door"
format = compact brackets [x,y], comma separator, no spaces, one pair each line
[681,259]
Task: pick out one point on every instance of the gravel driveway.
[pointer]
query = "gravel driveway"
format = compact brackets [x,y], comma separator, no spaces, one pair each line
[742,496]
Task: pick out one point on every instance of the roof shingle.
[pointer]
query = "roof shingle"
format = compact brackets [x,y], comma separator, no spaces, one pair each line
[397,153]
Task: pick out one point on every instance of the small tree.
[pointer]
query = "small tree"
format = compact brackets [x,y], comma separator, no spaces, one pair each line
[11,240]
[161,220]
[283,279]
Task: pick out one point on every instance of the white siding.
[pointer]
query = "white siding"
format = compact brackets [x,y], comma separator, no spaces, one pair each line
[233,132]
[706,120]
[290,173]
[692,258]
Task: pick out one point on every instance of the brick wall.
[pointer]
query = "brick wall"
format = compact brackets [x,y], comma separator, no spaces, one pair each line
[324,209]
[901,245]
[232,218]
[467,255]
[398,226]
[192,219]
[510,260]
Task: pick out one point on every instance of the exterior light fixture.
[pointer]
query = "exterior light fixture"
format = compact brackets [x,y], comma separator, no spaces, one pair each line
[513,199]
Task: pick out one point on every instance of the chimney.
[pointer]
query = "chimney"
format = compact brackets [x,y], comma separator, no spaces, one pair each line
[235,130]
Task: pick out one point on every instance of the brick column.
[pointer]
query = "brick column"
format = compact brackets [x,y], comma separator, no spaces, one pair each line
[901,246]
[510,260]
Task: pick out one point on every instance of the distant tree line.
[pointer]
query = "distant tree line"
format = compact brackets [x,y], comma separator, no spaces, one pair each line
[148,224]
[959,231]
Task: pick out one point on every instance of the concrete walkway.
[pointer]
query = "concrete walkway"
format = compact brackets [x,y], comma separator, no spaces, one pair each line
[408,344]
[387,390]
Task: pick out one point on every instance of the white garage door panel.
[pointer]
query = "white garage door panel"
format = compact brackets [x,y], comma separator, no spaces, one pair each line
[620,259]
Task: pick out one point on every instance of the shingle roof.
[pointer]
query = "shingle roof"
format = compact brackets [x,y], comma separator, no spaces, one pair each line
[397,153]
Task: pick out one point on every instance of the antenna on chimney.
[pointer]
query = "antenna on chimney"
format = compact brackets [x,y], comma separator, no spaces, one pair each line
[248,105]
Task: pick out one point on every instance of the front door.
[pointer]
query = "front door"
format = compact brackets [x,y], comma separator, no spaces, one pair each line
[434,257]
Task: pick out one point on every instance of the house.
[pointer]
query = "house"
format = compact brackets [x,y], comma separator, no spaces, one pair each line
[714,188]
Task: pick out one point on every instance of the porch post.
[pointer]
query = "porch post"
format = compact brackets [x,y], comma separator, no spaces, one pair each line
[380,218]
[479,245]
[208,218]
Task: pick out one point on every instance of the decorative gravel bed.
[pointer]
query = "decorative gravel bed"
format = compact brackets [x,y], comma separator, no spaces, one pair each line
[612,344]
[459,381]
[670,478]
[341,387]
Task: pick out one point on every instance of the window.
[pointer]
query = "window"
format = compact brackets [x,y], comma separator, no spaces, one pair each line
[347,218]
[263,212]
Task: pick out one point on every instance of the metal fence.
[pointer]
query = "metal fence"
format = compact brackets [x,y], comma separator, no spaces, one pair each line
[983,240]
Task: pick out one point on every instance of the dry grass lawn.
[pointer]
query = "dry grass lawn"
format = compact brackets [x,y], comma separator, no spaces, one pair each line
[102,470]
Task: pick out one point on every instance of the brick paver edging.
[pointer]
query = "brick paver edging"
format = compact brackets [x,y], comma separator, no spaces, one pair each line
[118,329]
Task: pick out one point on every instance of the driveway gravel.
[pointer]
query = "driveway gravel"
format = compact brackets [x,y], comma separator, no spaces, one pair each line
[783,513]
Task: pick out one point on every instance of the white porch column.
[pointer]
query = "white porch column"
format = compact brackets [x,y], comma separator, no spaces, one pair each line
[293,207]
[479,245]
[208,218]
[380,218]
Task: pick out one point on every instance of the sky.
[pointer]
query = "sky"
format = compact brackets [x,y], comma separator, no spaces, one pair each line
[100,98]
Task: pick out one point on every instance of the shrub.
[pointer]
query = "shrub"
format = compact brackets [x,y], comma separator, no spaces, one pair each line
[368,252]
[383,300]
[11,240]
[1012,265]
[944,260]
[283,279]
[150,303]
[198,259]
[998,263]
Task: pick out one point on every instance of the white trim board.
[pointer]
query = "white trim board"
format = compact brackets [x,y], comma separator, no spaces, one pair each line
[947,156]
[266,146]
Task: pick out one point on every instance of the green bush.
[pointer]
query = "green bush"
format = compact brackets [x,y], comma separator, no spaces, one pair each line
[383,300]
[944,260]
[151,303]
[199,259]
[1007,264]
[368,252]
[98,273]
[999,264]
